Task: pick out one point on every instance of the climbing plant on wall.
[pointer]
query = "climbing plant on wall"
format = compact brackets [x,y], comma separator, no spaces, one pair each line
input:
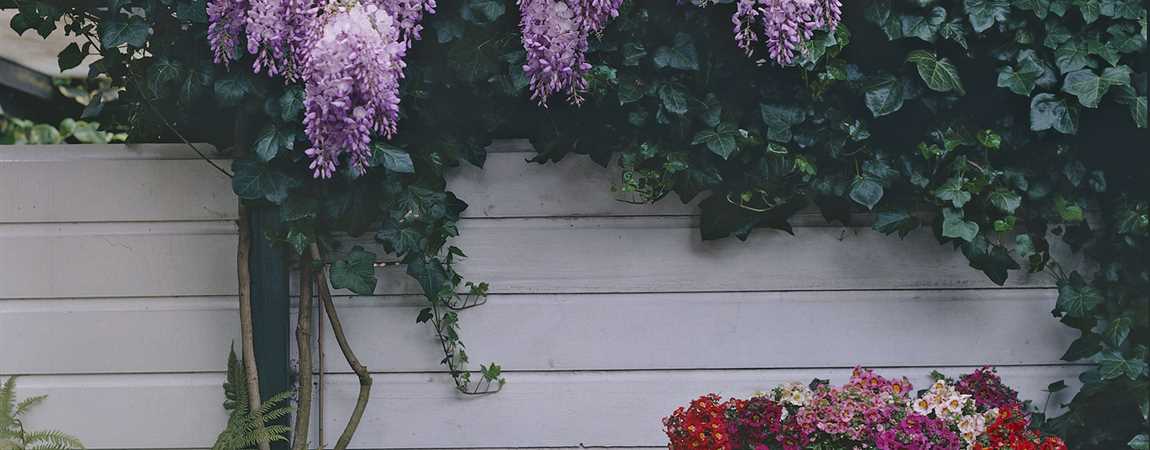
[1002,127]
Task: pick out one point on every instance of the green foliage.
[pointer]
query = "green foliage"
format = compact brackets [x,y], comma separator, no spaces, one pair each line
[247,428]
[16,131]
[1004,128]
[15,436]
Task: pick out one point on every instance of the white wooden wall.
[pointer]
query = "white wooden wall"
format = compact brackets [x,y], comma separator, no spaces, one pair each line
[117,299]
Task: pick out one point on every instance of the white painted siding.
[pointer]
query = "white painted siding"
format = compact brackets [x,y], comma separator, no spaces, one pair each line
[117,299]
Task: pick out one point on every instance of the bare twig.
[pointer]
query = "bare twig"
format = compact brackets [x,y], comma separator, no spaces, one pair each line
[303,339]
[247,335]
[173,129]
[322,367]
[360,371]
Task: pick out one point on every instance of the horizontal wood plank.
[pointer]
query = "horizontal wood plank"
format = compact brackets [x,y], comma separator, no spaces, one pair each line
[88,336]
[719,330]
[564,331]
[139,259]
[79,190]
[665,254]
[564,409]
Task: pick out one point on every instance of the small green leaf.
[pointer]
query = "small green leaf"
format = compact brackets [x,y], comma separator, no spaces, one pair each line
[1077,299]
[1113,365]
[984,13]
[954,226]
[124,30]
[674,99]
[355,273]
[953,191]
[866,191]
[253,180]
[680,55]
[1006,201]
[1084,347]
[884,95]
[720,141]
[939,74]
[1128,96]
[1047,111]
[392,158]
[271,140]
[1090,87]
[924,27]
[70,57]
[1140,442]
[1067,210]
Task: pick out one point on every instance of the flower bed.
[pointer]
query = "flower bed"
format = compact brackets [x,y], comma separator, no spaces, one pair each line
[976,412]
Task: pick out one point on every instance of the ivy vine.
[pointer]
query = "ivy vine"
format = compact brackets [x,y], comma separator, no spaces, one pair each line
[1000,126]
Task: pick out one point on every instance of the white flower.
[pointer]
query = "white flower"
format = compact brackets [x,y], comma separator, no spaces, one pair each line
[952,406]
[922,405]
[796,394]
[973,425]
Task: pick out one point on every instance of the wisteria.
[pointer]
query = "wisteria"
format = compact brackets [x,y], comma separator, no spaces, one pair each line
[352,74]
[785,24]
[555,36]
[349,56]
[277,30]
[227,19]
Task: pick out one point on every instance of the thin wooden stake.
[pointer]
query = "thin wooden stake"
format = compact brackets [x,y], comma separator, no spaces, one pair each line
[303,339]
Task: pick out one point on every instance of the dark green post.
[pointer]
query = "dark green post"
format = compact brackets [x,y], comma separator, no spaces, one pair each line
[270,306]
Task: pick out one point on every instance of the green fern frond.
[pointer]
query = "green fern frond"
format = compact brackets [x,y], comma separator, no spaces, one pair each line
[50,440]
[27,404]
[13,435]
[247,428]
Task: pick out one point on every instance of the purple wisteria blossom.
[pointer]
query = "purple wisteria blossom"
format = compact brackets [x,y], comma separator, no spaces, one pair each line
[785,24]
[226,26]
[351,72]
[555,35]
[408,16]
[276,32]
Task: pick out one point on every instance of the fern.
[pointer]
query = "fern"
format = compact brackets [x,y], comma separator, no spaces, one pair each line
[13,435]
[246,428]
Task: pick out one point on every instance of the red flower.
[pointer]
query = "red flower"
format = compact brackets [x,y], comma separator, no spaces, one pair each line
[702,426]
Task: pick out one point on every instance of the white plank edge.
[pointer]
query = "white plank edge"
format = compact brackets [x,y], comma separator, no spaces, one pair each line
[88,152]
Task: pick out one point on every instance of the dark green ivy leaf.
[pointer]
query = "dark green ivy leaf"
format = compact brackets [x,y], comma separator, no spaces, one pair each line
[356,272]
[720,141]
[272,139]
[1117,331]
[984,13]
[673,98]
[866,191]
[1113,365]
[1136,102]
[884,95]
[1077,299]
[680,55]
[391,158]
[939,74]
[924,27]
[1005,201]
[1072,55]
[879,13]
[897,221]
[70,57]
[124,30]
[1084,347]
[253,180]
[955,226]
[1048,111]
[1089,87]
[953,191]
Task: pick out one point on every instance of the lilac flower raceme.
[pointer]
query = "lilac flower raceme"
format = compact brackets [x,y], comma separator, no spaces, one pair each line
[555,35]
[351,72]
[408,16]
[786,24]
[276,33]
[227,19]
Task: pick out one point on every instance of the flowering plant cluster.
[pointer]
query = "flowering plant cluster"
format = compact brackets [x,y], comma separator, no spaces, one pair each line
[348,54]
[977,412]
[784,25]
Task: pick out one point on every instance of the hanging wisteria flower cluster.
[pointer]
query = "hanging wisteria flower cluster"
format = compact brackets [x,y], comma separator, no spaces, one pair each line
[349,56]
[555,36]
[784,25]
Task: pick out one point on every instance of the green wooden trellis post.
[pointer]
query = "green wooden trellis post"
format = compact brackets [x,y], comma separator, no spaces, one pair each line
[271,303]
